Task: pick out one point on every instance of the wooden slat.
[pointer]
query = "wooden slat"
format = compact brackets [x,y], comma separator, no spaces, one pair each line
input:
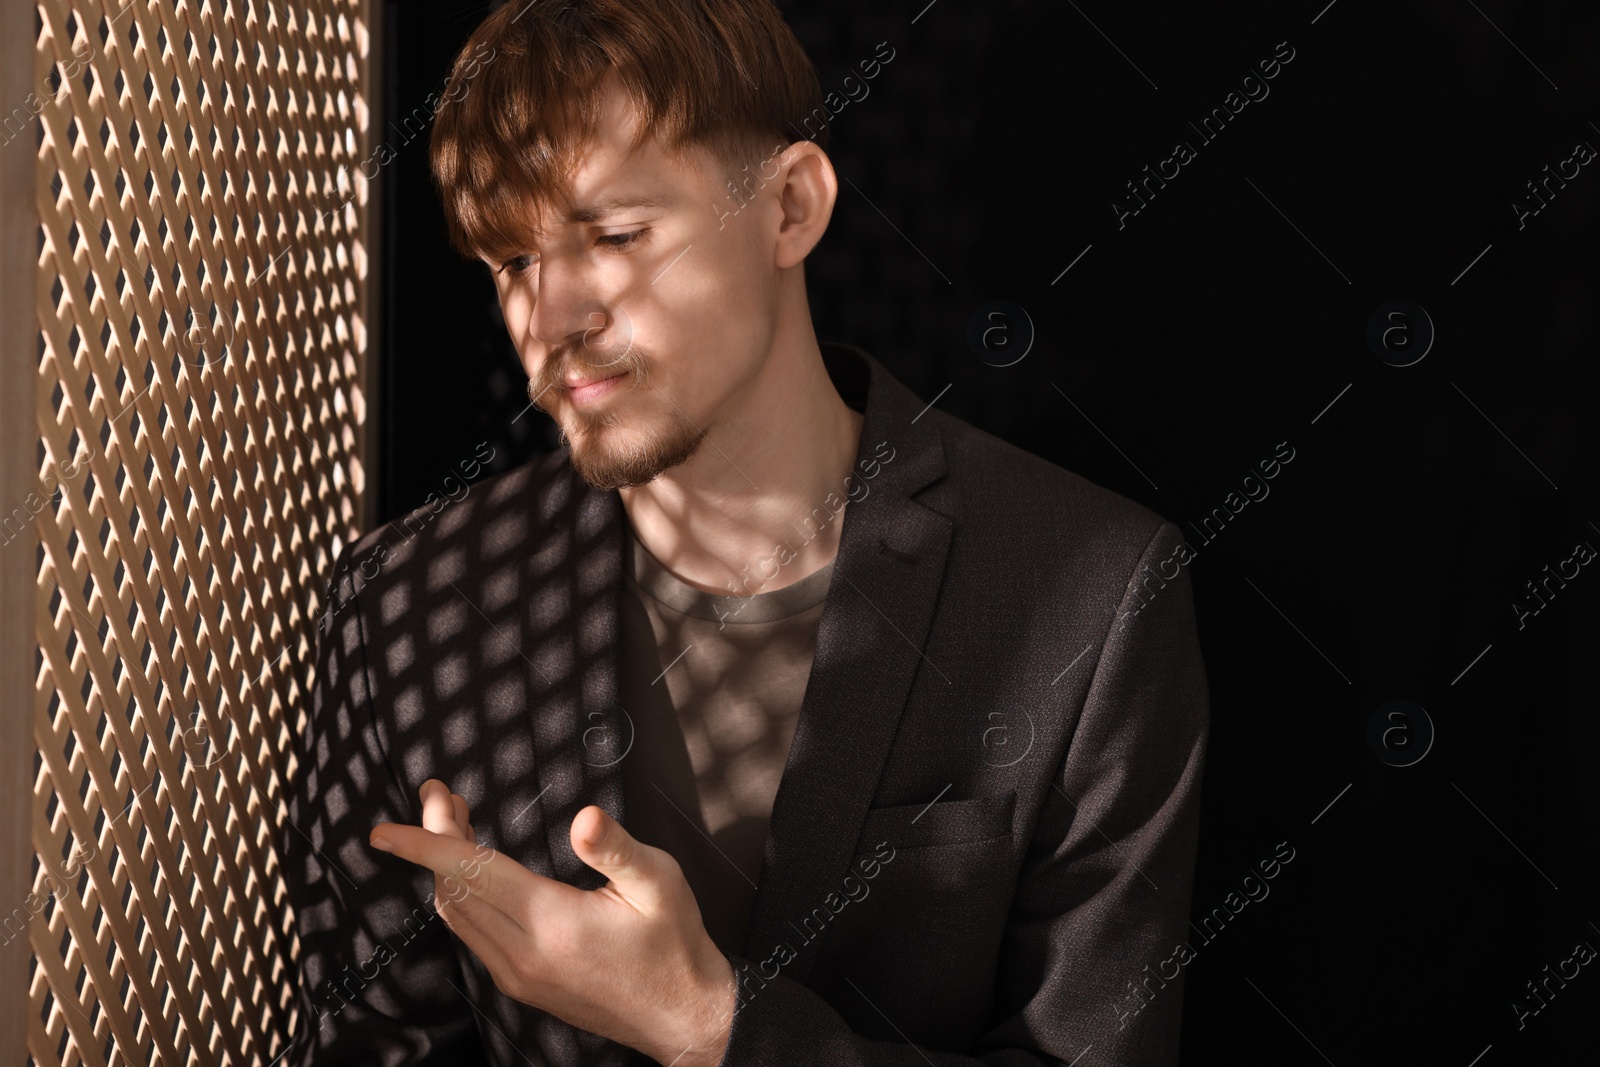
[211,480]
[18,475]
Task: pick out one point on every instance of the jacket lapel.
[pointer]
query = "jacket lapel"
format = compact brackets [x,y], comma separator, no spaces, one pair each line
[869,650]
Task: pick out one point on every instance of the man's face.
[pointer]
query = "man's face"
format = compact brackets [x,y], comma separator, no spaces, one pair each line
[668,287]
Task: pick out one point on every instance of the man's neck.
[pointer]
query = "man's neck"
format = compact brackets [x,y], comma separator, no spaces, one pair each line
[761,504]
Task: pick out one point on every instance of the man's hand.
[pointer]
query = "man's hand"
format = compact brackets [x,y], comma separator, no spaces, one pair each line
[630,961]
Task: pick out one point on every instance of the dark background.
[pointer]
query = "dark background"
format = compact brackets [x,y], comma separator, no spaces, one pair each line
[1178,351]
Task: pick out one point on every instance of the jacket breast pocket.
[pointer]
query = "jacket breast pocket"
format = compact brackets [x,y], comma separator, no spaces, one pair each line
[942,823]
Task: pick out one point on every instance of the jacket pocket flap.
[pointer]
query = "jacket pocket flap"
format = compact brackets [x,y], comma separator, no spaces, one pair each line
[944,822]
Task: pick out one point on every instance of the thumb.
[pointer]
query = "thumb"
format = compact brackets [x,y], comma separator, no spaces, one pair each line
[635,868]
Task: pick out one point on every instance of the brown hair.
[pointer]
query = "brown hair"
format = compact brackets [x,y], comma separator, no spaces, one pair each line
[523,98]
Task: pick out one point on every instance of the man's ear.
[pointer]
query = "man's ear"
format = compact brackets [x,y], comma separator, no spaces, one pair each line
[807,195]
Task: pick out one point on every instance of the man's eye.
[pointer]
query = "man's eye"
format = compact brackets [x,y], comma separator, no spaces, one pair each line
[519,264]
[622,240]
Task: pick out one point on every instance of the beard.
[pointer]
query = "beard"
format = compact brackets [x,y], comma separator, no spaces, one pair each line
[607,449]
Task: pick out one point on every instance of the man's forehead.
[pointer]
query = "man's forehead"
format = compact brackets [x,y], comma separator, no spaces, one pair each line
[611,175]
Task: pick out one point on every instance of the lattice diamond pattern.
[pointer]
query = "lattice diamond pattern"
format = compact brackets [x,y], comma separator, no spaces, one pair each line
[202,294]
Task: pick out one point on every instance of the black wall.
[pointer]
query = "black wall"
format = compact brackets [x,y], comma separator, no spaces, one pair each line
[1386,561]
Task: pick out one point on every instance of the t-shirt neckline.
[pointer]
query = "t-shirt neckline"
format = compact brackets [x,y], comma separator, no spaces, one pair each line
[652,577]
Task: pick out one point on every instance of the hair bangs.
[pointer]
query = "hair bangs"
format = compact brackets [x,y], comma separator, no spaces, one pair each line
[524,96]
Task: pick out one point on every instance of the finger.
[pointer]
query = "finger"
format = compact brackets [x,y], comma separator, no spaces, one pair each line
[438,811]
[467,893]
[463,815]
[490,933]
[487,875]
[639,872]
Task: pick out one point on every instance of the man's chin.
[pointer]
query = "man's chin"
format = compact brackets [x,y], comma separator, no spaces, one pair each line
[605,465]
[606,475]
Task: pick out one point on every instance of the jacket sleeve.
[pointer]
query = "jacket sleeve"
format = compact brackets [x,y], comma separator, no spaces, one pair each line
[376,961]
[1091,970]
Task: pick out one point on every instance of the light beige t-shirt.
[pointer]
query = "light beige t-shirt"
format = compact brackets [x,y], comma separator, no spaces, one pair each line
[713,685]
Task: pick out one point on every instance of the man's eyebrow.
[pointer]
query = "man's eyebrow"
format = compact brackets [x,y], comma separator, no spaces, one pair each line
[610,205]
[602,208]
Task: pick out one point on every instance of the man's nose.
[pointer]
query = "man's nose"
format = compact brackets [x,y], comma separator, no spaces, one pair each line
[563,304]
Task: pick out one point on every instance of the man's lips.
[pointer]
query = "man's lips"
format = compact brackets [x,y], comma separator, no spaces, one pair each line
[592,388]
[583,383]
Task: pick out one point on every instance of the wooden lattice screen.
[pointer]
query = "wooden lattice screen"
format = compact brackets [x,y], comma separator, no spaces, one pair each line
[202,302]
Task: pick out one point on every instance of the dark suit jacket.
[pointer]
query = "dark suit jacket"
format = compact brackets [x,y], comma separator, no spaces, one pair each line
[984,837]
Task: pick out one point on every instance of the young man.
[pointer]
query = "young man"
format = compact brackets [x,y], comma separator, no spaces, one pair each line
[776,718]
